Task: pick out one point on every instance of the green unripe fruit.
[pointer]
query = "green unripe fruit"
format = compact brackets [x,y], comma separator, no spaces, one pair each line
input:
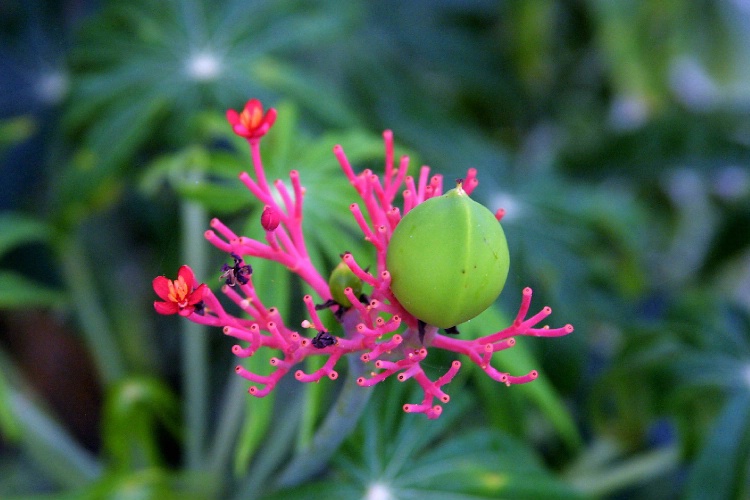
[341,278]
[448,259]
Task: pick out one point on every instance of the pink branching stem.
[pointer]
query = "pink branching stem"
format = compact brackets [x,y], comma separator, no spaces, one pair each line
[317,323]
[371,325]
[358,271]
[470,181]
[260,173]
[388,142]
[413,191]
[424,172]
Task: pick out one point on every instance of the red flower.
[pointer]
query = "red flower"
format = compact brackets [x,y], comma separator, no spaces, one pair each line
[251,123]
[179,296]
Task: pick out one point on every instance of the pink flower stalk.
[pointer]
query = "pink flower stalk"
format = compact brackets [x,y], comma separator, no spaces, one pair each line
[371,324]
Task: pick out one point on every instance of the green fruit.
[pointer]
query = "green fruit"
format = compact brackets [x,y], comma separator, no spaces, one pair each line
[448,259]
[341,278]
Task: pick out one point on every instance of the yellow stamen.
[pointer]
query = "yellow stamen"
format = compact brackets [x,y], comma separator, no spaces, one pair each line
[251,117]
[178,290]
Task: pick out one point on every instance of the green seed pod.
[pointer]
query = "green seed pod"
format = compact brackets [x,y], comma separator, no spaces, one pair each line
[341,278]
[448,259]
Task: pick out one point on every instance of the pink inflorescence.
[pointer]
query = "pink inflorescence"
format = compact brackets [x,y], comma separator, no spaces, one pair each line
[371,326]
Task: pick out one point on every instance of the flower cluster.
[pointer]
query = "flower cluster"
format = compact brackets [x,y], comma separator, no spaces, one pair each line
[373,323]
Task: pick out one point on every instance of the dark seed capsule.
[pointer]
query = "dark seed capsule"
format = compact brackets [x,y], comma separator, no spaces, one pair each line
[323,339]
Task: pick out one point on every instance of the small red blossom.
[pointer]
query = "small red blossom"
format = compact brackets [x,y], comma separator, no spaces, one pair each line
[180,296]
[252,123]
[269,219]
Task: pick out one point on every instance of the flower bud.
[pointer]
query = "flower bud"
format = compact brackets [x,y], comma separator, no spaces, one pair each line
[269,219]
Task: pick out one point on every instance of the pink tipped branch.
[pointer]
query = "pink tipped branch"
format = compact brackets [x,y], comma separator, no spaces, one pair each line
[370,325]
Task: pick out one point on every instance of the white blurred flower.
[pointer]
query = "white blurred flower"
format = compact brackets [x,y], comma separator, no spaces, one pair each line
[203,66]
[379,491]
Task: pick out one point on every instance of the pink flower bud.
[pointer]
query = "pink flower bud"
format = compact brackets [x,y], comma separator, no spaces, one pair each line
[269,219]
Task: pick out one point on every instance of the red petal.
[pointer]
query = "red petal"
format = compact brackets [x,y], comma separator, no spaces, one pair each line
[240,130]
[166,307]
[197,295]
[270,118]
[254,104]
[187,274]
[186,311]
[161,287]
[233,117]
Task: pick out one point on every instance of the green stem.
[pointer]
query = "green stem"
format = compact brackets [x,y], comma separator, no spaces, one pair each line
[48,443]
[231,415]
[64,460]
[610,478]
[338,424]
[194,345]
[313,397]
[91,314]
[275,449]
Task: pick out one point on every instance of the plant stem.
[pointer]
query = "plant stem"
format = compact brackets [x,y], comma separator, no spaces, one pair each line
[231,415]
[194,341]
[313,397]
[91,314]
[340,421]
[47,442]
[53,448]
[607,478]
[274,450]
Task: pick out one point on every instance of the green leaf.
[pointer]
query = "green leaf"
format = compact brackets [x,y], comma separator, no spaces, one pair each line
[730,241]
[395,455]
[132,409]
[15,130]
[150,483]
[315,395]
[215,198]
[9,424]
[206,177]
[306,90]
[519,361]
[720,471]
[56,455]
[17,229]
[19,292]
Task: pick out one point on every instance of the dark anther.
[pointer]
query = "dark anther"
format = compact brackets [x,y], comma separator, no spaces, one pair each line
[323,339]
[325,305]
[364,299]
[453,330]
[200,308]
[238,273]
[329,304]
[421,326]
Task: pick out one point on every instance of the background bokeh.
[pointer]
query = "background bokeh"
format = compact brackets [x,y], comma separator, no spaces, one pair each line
[616,134]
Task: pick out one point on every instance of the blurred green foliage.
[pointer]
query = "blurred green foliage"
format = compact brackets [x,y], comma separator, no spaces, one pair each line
[615,135]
